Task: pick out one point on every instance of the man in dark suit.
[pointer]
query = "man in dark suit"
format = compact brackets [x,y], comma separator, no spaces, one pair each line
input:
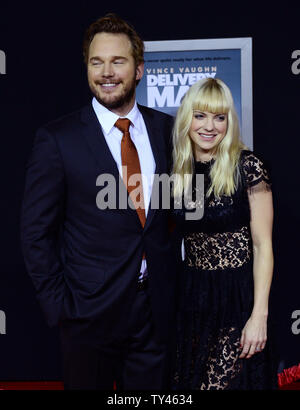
[106,276]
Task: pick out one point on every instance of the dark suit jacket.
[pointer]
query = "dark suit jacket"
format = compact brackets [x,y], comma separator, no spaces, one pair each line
[84,261]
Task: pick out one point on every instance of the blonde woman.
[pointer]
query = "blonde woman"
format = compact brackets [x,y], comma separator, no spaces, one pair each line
[228,265]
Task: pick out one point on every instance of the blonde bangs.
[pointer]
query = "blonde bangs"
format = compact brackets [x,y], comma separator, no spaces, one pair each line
[211,98]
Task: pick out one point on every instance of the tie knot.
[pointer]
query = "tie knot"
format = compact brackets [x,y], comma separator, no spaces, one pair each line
[123,124]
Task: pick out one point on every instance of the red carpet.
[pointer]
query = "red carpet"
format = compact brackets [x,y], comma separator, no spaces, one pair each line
[31,385]
[292,386]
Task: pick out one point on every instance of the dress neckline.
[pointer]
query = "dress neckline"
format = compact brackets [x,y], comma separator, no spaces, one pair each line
[203,167]
[203,163]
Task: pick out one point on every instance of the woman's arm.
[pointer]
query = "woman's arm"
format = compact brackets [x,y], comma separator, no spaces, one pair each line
[254,334]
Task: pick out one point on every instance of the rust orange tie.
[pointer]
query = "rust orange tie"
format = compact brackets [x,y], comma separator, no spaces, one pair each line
[130,159]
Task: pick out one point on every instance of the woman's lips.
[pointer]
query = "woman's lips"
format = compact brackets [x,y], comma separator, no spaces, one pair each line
[207,136]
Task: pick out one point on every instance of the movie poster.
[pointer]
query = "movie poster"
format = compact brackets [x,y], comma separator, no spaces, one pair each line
[169,74]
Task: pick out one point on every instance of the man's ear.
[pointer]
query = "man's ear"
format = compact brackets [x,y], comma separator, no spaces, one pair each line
[139,71]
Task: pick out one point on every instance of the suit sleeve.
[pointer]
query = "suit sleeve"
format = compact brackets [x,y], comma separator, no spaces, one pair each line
[41,215]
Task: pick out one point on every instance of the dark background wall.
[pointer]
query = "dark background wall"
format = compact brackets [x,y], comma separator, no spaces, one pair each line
[45,78]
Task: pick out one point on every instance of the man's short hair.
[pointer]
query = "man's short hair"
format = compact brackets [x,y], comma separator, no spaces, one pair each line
[111,23]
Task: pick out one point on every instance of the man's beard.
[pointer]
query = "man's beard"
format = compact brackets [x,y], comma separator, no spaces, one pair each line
[120,101]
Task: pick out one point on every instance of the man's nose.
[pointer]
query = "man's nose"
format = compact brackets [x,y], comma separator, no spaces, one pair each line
[107,70]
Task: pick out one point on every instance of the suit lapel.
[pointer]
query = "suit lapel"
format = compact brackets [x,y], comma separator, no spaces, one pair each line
[95,139]
[154,133]
[93,133]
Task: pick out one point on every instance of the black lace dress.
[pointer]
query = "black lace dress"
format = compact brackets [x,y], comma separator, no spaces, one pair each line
[216,290]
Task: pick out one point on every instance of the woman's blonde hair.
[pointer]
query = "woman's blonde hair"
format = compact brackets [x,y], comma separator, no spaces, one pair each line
[211,95]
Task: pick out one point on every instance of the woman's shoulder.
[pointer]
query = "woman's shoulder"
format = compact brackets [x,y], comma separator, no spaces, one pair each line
[248,155]
[254,168]
[249,158]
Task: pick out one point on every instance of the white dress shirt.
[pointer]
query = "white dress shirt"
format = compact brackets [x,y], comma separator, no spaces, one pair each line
[140,138]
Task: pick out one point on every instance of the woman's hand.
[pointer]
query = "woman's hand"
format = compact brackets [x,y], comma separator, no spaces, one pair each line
[254,336]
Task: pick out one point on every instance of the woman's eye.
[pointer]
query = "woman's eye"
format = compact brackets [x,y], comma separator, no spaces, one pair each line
[221,117]
[199,116]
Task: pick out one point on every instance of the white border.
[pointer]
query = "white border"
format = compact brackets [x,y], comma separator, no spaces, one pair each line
[242,43]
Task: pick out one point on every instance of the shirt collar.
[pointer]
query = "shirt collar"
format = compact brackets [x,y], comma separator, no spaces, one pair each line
[108,118]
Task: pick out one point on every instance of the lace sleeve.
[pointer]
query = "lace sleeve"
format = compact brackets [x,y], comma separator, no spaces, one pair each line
[256,174]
